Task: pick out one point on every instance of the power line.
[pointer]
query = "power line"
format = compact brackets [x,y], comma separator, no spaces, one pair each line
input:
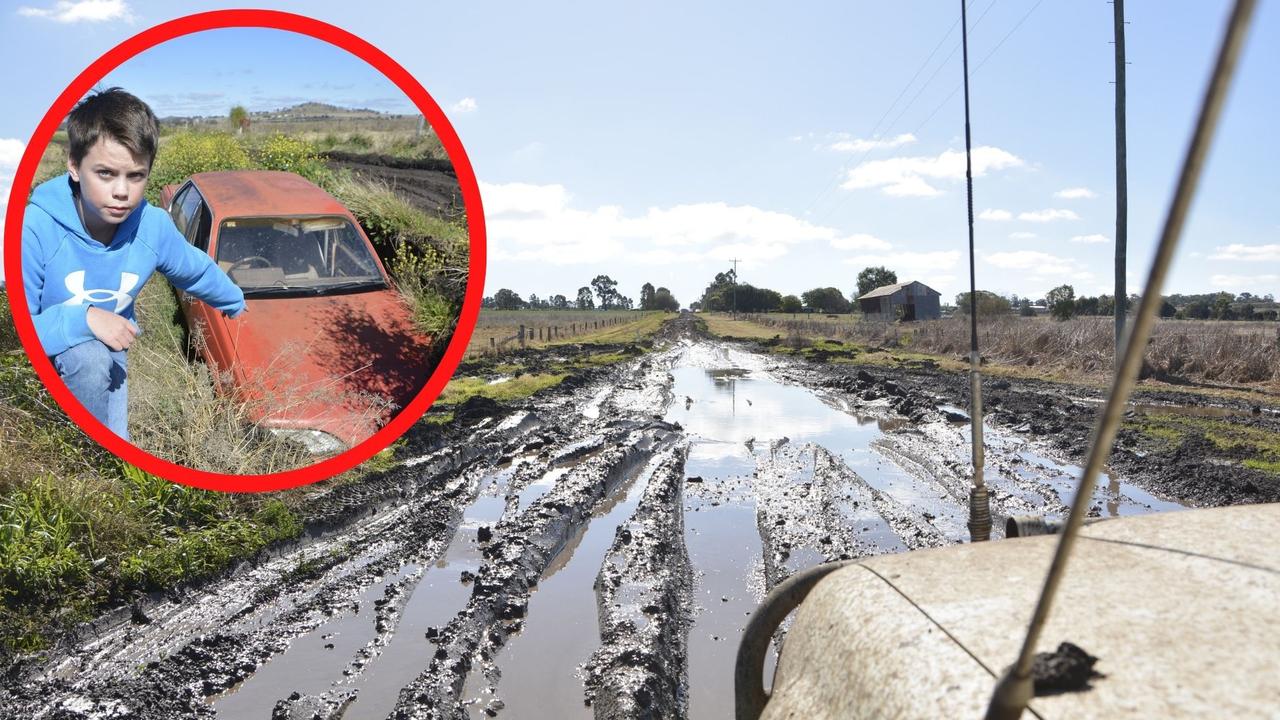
[875,128]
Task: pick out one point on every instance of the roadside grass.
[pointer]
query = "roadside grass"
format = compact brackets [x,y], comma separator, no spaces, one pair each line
[1080,349]
[634,329]
[1252,447]
[79,529]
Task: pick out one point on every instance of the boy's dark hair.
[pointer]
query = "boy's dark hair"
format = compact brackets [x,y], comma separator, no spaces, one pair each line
[118,115]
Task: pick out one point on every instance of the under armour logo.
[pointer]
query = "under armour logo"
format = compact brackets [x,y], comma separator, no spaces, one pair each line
[75,286]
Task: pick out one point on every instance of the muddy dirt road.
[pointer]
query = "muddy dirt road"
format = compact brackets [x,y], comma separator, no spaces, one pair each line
[592,553]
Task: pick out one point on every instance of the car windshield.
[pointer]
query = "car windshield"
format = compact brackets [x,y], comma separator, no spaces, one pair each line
[317,254]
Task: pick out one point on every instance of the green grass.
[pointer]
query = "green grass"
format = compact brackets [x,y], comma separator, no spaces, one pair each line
[1255,448]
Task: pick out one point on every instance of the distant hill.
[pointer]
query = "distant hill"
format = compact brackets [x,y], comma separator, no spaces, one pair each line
[308,111]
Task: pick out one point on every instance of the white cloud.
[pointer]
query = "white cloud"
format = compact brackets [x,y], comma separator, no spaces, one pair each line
[906,176]
[1021,235]
[908,265]
[465,105]
[1037,263]
[65,11]
[1048,215]
[1093,239]
[1246,283]
[850,144]
[1075,193]
[539,223]
[860,241]
[995,215]
[1255,253]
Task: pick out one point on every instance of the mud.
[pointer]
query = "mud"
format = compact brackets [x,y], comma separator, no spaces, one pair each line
[686,482]
[430,185]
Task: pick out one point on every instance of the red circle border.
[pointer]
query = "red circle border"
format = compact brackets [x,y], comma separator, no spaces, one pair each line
[214,20]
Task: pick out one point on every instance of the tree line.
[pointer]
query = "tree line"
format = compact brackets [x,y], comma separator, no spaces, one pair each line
[1061,303]
[602,286]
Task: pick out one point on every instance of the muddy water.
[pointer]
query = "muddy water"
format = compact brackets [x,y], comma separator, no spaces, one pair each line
[732,416]
[539,666]
[321,660]
[735,417]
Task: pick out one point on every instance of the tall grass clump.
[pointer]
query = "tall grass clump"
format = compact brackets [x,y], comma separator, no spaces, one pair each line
[175,409]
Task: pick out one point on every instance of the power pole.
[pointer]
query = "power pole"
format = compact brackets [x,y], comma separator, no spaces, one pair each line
[1122,180]
[735,288]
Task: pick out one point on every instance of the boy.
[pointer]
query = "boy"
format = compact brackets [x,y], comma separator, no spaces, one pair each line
[90,242]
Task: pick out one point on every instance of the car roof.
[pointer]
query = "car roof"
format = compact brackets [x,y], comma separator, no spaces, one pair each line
[232,193]
[1179,608]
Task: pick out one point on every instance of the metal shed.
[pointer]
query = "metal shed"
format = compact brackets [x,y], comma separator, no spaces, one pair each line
[905,301]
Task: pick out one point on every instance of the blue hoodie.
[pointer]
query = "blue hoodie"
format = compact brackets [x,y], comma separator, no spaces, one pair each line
[64,270]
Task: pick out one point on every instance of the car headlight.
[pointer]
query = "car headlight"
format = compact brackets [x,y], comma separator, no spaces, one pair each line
[315,441]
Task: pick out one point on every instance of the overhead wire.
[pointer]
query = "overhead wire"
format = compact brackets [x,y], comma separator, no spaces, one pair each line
[845,169]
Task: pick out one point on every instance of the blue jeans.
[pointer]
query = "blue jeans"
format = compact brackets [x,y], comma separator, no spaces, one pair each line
[98,376]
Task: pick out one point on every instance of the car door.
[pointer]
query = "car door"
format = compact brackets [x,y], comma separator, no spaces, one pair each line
[195,220]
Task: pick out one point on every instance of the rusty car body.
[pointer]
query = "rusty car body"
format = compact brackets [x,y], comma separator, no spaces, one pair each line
[327,349]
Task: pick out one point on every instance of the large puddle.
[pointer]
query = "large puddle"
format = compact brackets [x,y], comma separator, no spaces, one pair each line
[735,417]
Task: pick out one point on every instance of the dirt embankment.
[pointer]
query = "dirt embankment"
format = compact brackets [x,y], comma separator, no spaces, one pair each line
[428,184]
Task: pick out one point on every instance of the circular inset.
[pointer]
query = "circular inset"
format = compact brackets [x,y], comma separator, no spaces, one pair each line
[433,115]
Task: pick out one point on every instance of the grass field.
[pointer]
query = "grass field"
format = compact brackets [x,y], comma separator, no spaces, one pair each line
[498,330]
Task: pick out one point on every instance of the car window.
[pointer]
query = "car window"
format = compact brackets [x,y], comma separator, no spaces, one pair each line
[313,253]
[184,207]
[175,209]
[198,230]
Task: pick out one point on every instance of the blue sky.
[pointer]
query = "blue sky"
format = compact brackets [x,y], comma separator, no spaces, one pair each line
[655,143]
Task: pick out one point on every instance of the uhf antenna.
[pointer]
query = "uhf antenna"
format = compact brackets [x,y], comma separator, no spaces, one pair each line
[979,500]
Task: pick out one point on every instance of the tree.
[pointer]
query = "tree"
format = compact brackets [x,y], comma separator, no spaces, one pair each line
[239,118]
[646,297]
[1198,310]
[826,300]
[873,277]
[989,304]
[791,304]
[1222,307]
[1027,310]
[559,302]
[1062,302]
[506,299]
[584,301]
[1167,310]
[664,300]
[607,288]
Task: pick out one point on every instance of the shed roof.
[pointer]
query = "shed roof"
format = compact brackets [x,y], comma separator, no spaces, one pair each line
[884,290]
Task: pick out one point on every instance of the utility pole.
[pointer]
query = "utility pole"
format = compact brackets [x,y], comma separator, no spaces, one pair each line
[979,497]
[1122,181]
[735,288]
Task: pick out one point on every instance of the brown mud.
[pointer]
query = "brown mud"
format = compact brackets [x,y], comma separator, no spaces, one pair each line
[713,470]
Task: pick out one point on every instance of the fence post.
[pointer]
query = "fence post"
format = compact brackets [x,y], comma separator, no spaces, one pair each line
[521,336]
[493,345]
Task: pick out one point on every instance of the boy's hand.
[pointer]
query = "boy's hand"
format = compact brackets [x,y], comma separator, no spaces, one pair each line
[114,331]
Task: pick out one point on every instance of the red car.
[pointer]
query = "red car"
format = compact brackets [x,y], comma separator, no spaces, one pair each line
[327,351]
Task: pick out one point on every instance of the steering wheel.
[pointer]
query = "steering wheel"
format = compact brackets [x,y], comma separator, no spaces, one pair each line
[250,261]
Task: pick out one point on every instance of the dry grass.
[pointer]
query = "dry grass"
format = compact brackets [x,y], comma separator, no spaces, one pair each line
[1179,350]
